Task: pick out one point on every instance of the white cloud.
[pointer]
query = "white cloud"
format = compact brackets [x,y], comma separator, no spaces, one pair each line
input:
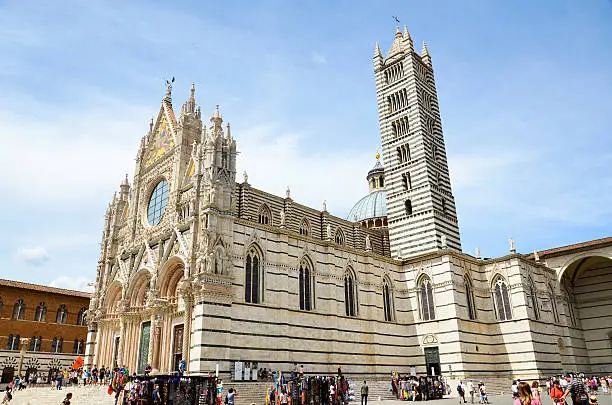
[72,283]
[36,256]
[318,59]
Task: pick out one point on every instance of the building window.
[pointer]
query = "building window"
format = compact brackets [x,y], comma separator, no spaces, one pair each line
[388,300]
[426,297]
[469,296]
[408,205]
[502,300]
[350,293]
[264,215]
[443,202]
[381,181]
[56,345]
[553,303]
[157,203]
[253,277]
[406,181]
[62,314]
[533,295]
[306,281]
[13,342]
[82,317]
[339,237]
[35,343]
[78,347]
[19,310]
[41,313]
[304,227]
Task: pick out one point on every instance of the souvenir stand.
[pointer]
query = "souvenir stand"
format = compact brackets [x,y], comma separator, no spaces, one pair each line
[177,390]
[312,390]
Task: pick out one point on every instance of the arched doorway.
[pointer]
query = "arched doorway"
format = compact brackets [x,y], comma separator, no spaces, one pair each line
[587,285]
[29,372]
[7,374]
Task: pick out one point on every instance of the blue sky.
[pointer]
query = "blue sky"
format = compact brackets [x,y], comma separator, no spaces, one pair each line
[524,91]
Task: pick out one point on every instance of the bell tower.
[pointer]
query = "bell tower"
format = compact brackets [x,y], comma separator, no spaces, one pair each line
[420,204]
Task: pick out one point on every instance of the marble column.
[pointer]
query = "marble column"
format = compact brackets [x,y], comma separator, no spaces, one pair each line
[188,300]
[92,338]
[122,328]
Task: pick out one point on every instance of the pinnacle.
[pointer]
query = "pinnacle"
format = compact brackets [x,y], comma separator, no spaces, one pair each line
[377,52]
[424,52]
[398,33]
[406,33]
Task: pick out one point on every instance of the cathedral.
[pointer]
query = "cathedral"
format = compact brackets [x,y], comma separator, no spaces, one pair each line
[200,266]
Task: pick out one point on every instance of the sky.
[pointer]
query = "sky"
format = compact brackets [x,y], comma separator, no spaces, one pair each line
[524,88]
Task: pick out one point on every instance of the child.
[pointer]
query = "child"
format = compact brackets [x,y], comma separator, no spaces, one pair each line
[66,400]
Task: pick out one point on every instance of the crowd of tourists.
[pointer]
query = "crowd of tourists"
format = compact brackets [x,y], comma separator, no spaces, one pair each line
[418,388]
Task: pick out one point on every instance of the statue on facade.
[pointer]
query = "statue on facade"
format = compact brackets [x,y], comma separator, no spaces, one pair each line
[212,195]
[324,205]
[444,241]
[288,192]
[328,231]
[477,252]
[512,247]
[282,217]
[368,244]
[245,177]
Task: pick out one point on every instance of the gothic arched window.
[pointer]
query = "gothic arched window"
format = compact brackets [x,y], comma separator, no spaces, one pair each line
[62,314]
[253,277]
[304,227]
[265,215]
[350,293]
[533,294]
[553,302]
[41,313]
[388,300]
[13,342]
[502,299]
[35,343]
[339,237]
[82,318]
[426,299]
[469,297]
[306,281]
[56,345]
[19,310]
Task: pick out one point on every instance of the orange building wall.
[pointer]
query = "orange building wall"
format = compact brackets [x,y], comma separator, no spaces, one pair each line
[27,328]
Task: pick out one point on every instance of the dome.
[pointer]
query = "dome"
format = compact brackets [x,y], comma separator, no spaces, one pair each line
[373,205]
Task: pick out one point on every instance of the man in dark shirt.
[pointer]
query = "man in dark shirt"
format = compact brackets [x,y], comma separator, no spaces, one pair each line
[578,391]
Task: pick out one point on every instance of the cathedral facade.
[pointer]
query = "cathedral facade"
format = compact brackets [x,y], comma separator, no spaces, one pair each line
[198,266]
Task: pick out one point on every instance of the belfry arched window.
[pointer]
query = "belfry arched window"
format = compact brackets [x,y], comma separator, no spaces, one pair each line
[62,314]
[469,297]
[19,310]
[253,277]
[387,293]
[265,216]
[41,313]
[553,302]
[339,237]
[501,299]
[350,293]
[304,227]
[533,296]
[427,306]
[81,318]
[306,285]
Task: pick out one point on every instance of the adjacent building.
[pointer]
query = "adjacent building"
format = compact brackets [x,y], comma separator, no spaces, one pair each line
[41,328]
[200,266]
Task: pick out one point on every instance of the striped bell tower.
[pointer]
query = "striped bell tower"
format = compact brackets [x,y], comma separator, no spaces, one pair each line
[420,204]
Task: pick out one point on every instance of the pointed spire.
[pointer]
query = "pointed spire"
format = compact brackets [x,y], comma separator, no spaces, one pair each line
[424,52]
[216,119]
[377,52]
[125,181]
[228,133]
[406,33]
[425,55]
[190,106]
[151,125]
[192,97]
[398,33]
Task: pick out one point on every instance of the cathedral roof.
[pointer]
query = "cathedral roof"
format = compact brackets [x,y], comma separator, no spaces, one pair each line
[397,45]
[373,205]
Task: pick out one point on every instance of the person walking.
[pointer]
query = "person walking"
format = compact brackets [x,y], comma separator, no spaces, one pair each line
[577,390]
[461,392]
[471,391]
[229,399]
[525,396]
[364,393]
[66,400]
[535,390]
[556,393]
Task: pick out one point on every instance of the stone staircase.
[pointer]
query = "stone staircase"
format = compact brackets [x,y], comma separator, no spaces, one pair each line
[46,396]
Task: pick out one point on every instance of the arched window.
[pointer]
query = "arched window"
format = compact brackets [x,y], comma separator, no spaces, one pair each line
[350,293]
[19,310]
[265,215]
[408,205]
[388,300]
[82,318]
[339,237]
[533,294]
[253,277]
[469,297]
[306,286]
[13,342]
[502,300]
[62,314]
[56,345]
[553,302]
[35,343]
[304,227]
[41,313]
[426,299]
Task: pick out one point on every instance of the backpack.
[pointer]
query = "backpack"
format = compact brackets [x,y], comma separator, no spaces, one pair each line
[459,389]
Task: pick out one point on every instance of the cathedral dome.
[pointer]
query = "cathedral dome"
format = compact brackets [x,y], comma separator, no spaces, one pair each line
[373,205]
[371,210]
